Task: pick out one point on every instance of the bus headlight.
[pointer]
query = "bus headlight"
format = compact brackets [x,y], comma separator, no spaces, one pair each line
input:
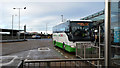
[73,46]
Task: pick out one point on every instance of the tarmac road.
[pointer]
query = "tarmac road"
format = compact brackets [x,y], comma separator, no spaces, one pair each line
[9,48]
[33,49]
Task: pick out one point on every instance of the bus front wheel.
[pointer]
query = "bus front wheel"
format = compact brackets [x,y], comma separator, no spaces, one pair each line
[63,45]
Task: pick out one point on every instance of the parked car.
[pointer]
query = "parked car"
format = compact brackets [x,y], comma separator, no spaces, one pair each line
[36,37]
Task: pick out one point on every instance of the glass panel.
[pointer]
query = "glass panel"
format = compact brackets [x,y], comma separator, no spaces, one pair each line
[115,31]
[81,31]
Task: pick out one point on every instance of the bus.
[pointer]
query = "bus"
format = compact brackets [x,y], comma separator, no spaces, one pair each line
[70,32]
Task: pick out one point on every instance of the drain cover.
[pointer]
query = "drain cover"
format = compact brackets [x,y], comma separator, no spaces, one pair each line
[44,49]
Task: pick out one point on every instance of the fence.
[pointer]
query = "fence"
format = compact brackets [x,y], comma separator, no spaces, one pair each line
[87,50]
[62,63]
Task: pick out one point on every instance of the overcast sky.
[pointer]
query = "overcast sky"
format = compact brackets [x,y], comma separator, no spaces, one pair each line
[37,14]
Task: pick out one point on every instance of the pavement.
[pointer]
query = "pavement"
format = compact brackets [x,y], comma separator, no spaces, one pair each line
[13,53]
[15,40]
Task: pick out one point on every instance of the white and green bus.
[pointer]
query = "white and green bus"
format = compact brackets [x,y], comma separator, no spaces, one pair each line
[67,34]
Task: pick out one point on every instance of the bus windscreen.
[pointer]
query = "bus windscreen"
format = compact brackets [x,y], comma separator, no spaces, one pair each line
[81,31]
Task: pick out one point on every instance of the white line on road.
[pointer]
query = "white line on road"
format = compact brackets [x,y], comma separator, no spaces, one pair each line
[28,56]
[66,57]
[58,51]
[25,59]
[61,53]
[3,64]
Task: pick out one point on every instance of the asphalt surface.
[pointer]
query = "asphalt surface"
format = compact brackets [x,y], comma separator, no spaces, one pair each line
[9,48]
[33,49]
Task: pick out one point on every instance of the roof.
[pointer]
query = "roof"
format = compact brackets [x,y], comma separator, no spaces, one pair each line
[97,18]
[9,30]
[81,20]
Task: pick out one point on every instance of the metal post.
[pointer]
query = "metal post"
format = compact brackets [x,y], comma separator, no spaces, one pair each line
[24,31]
[107,33]
[84,50]
[19,24]
[46,28]
[98,62]
[22,64]
[24,35]
[76,48]
[12,25]
[48,65]
[62,17]
[99,39]
[19,21]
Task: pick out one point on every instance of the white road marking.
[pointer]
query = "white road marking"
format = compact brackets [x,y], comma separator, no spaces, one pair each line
[47,49]
[3,64]
[28,56]
[61,53]
[26,59]
[66,57]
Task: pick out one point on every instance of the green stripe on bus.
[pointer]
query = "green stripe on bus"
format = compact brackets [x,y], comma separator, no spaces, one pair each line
[59,44]
[67,47]
[70,49]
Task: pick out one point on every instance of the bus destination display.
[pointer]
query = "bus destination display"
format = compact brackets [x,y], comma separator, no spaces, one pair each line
[83,24]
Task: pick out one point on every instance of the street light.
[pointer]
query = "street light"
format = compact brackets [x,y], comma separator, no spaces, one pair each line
[62,17]
[19,20]
[12,24]
[46,28]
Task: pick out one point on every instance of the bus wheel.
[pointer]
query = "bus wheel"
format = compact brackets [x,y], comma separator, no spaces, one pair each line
[63,45]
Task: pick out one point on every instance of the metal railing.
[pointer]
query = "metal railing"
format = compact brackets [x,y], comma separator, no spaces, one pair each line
[62,63]
[87,50]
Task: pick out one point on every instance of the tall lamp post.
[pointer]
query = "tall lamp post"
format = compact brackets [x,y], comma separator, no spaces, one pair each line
[19,20]
[24,31]
[62,17]
[12,24]
[46,28]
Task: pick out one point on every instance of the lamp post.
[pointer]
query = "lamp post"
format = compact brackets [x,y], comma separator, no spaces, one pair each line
[24,31]
[12,24]
[19,20]
[62,17]
[46,28]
